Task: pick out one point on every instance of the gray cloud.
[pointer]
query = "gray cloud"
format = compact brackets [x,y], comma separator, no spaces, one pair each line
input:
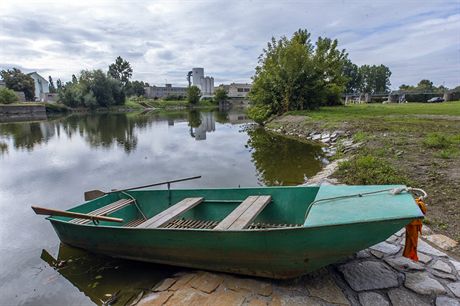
[165,39]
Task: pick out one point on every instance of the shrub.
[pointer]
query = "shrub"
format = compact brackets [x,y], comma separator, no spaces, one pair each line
[7,96]
[259,113]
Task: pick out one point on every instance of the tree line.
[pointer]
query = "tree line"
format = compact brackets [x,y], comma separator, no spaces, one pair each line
[295,74]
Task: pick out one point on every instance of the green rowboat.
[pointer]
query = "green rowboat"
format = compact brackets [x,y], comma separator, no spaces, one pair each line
[274,232]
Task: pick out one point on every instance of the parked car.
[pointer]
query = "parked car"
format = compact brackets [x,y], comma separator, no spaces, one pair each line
[435,100]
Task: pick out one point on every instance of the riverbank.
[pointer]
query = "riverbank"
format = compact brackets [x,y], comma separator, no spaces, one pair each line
[415,144]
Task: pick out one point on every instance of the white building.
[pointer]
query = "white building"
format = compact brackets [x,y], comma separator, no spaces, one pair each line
[238,90]
[157,92]
[41,86]
[204,83]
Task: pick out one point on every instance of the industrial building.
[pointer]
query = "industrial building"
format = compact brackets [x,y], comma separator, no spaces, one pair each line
[237,90]
[204,83]
[158,92]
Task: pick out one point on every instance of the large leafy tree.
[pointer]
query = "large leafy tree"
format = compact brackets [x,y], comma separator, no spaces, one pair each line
[354,78]
[51,86]
[193,95]
[220,95]
[120,70]
[135,88]
[18,81]
[297,74]
[375,79]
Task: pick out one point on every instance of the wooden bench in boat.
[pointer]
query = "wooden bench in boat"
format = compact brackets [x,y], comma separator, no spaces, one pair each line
[242,216]
[105,210]
[171,213]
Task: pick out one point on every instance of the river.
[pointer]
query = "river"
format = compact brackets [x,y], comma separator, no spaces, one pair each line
[52,162]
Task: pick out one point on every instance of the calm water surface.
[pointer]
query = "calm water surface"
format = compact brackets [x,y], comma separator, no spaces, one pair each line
[51,163]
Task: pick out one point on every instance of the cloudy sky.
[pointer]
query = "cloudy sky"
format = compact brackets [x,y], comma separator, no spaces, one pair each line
[164,39]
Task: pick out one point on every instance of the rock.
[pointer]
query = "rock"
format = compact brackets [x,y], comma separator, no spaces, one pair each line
[372,299]
[164,285]
[248,285]
[377,254]
[400,232]
[442,266]
[363,254]
[393,239]
[224,298]
[369,275]
[326,140]
[423,258]
[257,302]
[446,301]
[443,275]
[422,283]
[206,282]
[385,247]
[183,280]
[294,300]
[455,288]
[403,264]
[316,137]
[442,241]
[154,299]
[187,297]
[428,249]
[456,264]
[403,297]
[426,230]
[321,285]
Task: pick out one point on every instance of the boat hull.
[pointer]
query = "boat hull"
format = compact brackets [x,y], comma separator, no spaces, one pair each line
[272,253]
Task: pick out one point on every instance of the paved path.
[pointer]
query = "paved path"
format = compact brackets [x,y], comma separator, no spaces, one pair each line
[375,276]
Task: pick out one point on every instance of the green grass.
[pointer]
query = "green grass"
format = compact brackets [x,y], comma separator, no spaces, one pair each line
[369,170]
[357,111]
[360,136]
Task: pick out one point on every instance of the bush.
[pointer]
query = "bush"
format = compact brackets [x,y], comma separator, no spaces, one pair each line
[7,96]
[259,113]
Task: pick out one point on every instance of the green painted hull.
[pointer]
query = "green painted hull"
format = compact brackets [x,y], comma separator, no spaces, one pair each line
[274,253]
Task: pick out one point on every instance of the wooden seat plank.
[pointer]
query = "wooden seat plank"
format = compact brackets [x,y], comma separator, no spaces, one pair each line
[242,216]
[104,210]
[172,212]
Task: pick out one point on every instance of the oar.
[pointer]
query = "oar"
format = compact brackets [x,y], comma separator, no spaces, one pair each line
[64,213]
[93,194]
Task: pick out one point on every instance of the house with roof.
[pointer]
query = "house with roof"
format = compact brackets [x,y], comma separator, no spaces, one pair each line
[41,86]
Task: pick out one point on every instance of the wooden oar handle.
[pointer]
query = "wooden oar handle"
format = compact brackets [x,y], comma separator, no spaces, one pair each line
[64,213]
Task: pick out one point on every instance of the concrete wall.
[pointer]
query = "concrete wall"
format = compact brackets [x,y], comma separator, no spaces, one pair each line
[13,112]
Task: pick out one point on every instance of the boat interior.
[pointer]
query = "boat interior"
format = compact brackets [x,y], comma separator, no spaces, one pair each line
[210,209]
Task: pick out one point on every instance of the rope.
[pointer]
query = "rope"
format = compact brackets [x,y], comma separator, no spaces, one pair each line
[135,203]
[393,191]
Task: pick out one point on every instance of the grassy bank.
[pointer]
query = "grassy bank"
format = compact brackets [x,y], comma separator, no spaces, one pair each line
[416,144]
[142,103]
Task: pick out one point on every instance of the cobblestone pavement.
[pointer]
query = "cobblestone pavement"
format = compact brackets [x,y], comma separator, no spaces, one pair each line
[375,276]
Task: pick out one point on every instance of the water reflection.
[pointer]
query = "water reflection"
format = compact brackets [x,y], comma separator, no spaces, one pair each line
[53,162]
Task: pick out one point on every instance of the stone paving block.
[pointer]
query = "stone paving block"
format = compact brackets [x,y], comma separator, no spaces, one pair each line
[372,299]
[443,275]
[377,254]
[322,285]
[182,281]
[386,248]
[369,275]
[393,239]
[447,301]
[400,232]
[423,258]
[422,283]
[403,264]
[456,264]
[187,297]
[442,266]
[225,298]
[164,285]
[442,241]
[246,284]
[155,299]
[428,249]
[455,288]
[257,302]
[363,254]
[403,297]
[206,282]
[294,300]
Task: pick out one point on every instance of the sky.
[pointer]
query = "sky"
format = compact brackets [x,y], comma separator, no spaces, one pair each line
[163,40]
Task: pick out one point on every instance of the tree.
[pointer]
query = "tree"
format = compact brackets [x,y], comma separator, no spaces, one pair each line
[193,95]
[120,70]
[296,74]
[375,79]
[425,85]
[135,88]
[354,78]
[51,87]
[59,84]
[220,95]
[18,81]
